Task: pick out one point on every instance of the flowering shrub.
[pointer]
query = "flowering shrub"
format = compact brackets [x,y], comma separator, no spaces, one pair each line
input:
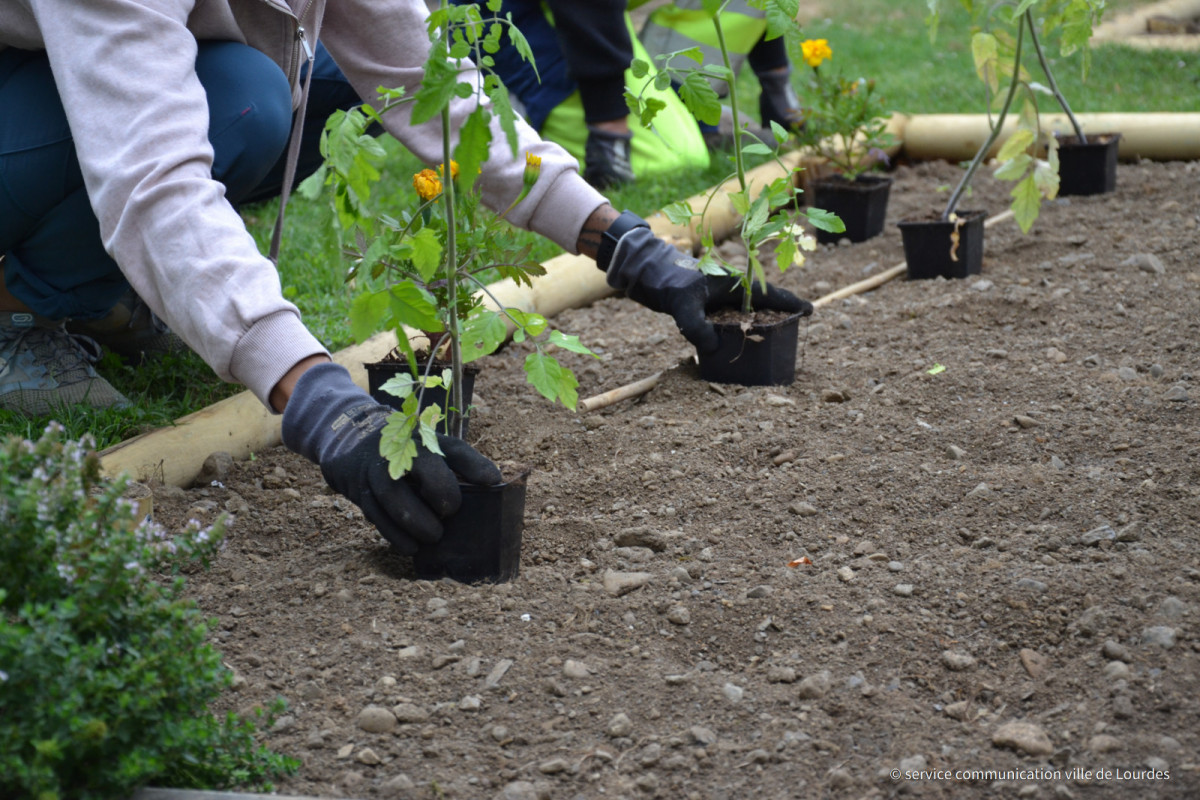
[105,674]
[434,261]
[844,122]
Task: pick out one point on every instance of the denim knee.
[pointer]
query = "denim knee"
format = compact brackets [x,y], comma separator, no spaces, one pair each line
[250,113]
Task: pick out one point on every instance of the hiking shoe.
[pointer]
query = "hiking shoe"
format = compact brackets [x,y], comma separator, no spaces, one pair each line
[44,369]
[778,101]
[606,159]
[131,330]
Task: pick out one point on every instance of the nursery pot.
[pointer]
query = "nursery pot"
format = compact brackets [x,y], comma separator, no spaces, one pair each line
[765,355]
[861,204]
[378,372]
[1088,168]
[481,542]
[931,251]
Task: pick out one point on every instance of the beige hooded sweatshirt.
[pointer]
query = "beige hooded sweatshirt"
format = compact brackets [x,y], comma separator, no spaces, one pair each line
[125,70]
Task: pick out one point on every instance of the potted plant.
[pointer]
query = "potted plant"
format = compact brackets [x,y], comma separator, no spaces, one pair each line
[428,269]
[755,348]
[846,125]
[951,245]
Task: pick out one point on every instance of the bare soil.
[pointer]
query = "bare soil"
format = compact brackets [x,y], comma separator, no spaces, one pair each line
[1009,539]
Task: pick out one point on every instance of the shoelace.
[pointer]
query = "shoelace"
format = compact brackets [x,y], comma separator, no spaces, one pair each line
[84,348]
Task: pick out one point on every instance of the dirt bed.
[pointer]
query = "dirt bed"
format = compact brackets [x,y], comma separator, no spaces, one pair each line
[1004,570]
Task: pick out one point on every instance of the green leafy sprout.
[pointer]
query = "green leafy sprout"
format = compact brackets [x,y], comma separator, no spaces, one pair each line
[430,268]
[997,55]
[760,225]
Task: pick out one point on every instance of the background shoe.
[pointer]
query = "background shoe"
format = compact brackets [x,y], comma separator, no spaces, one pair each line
[778,101]
[606,159]
[131,330]
[44,369]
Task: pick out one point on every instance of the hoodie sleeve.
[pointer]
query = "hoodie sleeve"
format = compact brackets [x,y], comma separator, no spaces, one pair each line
[125,70]
[383,43]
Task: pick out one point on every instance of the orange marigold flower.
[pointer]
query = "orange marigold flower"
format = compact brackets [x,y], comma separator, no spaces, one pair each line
[427,184]
[453,169]
[815,51]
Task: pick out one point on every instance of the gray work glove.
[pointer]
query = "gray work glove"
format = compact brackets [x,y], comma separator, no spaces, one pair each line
[335,424]
[658,276]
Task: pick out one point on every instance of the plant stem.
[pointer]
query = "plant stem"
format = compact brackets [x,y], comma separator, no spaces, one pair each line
[995,134]
[1062,101]
[452,321]
[738,159]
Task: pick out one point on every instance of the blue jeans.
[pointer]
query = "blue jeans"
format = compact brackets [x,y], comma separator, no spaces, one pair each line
[54,261]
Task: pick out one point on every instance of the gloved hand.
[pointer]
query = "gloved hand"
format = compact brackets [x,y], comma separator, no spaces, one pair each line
[662,278]
[335,424]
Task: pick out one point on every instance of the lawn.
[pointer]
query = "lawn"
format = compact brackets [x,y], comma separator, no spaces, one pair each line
[875,38]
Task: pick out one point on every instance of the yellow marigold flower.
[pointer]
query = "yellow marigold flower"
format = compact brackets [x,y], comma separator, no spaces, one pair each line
[815,51]
[453,169]
[427,184]
[533,168]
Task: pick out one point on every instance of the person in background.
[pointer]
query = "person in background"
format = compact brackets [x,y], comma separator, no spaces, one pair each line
[575,95]
[131,130]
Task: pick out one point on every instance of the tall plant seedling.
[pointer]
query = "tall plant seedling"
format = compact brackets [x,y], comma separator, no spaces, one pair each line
[759,225]
[430,266]
[997,54]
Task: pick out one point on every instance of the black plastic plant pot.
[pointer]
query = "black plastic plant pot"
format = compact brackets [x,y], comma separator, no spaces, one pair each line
[482,540]
[378,373]
[932,250]
[1088,168]
[765,355]
[861,204]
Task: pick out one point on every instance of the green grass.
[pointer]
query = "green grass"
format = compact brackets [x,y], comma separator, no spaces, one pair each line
[875,38]
[889,42]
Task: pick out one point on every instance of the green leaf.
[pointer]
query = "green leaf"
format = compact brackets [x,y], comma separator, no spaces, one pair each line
[437,87]
[781,17]
[639,68]
[472,150]
[825,220]
[503,111]
[1014,168]
[401,385]
[1045,177]
[650,108]
[759,211]
[740,202]
[679,212]
[431,415]
[785,253]
[570,342]
[701,99]
[551,379]
[528,322]
[1026,203]
[426,253]
[481,334]
[757,149]
[986,53]
[366,314]
[411,305]
[396,443]
[1018,142]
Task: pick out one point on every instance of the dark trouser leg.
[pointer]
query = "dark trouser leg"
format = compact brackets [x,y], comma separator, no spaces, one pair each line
[54,260]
